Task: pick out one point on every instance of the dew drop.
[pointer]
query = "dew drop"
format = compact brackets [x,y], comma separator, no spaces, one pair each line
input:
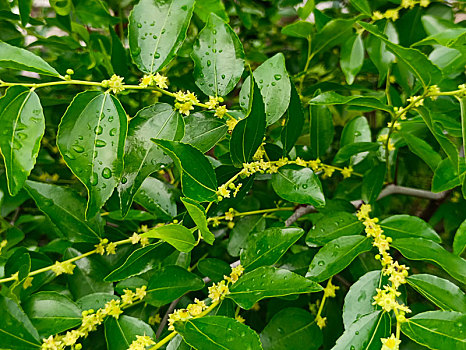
[321,263]
[69,155]
[223,76]
[357,133]
[209,63]
[154,36]
[304,186]
[106,173]
[94,179]
[78,149]
[22,135]
[112,132]
[277,76]
[48,202]
[139,25]
[124,180]
[110,119]
[163,31]
[98,130]
[274,83]
[100,143]
[157,55]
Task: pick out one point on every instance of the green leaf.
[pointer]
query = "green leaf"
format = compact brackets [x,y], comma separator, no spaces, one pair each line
[203,131]
[333,225]
[425,71]
[52,313]
[294,121]
[141,260]
[16,330]
[91,138]
[439,291]
[23,126]
[248,134]
[269,282]
[445,177]
[362,6]
[336,255]
[215,269]
[299,29]
[88,275]
[365,333]
[243,228]
[290,328]
[176,235]
[321,130]
[377,49]
[332,98]
[372,183]
[463,119]
[359,299]
[218,58]
[66,209]
[333,33]
[406,226]
[306,10]
[437,330]
[142,156]
[274,85]
[170,283]
[61,7]
[347,151]
[158,198]
[352,57]
[459,242]
[198,214]
[267,247]
[423,249]
[198,179]
[155,40]
[121,332]
[422,149]
[204,8]
[298,185]
[208,333]
[24,11]
[12,57]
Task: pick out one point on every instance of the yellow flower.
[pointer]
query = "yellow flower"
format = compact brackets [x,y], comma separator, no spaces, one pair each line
[111,248]
[135,238]
[347,171]
[330,289]
[218,291]
[377,15]
[100,248]
[328,171]
[196,308]
[161,81]
[185,108]
[408,3]
[282,161]
[223,191]
[391,14]
[237,190]
[424,3]
[51,344]
[180,96]
[395,125]
[27,282]
[321,321]
[300,162]
[364,211]
[220,111]
[146,80]
[141,292]
[144,241]
[141,342]
[212,103]
[191,97]
[391,343]
[116,84]
[315,164]
[231,123]
[127,298]
[230,214]
[63,267]
[240,319]
[156,319]
[71,337]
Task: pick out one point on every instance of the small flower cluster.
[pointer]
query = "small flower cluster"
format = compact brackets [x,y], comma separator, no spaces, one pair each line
[115,83]
[137,238]
[92,319]
[393,14]
[141,342]
[383,138]
[105,246]
[157,79]
[462,88]
[3,245]
[46,177]
[186,101]
[386,298]
[63,267]
[214,104]
[224,192]
[329,292]
[191,311]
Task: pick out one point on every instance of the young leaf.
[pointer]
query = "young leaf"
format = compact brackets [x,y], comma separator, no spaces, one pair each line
[154,40]
[218,58]
[332,98]
[332,226]
[268,282]
[202,131]
[406,226]
[294,121]
[459,242]
[23,125]
[298,185]
[66,209]
[290,328]
[248,134]
[158,198]
[170,283]
[142,156]
[61,7]
[377,49]
[208,333]
[52,313]
[321,130]
[12,57]
[336,255]
[176,235]
[423,249]
[267,247]
[422,149]
[299,29]
[204,8]
[372,183]
[362,6]
[91,138]
[437,329]
[439,291]
[197,213]
[198,179]
[121,332]
[352,57]
[274,85]
[24,11]
[333,33]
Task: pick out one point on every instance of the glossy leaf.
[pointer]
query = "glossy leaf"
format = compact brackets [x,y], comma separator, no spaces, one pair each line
[298,185]
[459,242]
[377,49]
[290,328]
[299,29]
[437,329]
[208,333]
[24,11]
[445,177]
[170,283]
[268,282]
[333,33]
[142,156]
[23,126]
[218,58]
[155,40]
[52,313]
[204,8]
[141,260]
[17,331]
[198,179]
[248,134]
[203,131]
[197,213]
[275,87]
[332,98]
[347,151]
[439,291]
[365,333]
[12,57]
[423,249]
[332,226]
[406,226]
[157,197]
[121,332]
[91,138]
[321,130]
[66,209]
[372,183]
[176,235]
[336,255]
[61,7]
[267,247]
[215,269]
[359,299]
[294,121]
[422,149]
[362,6]
[352,57]
[243,228]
